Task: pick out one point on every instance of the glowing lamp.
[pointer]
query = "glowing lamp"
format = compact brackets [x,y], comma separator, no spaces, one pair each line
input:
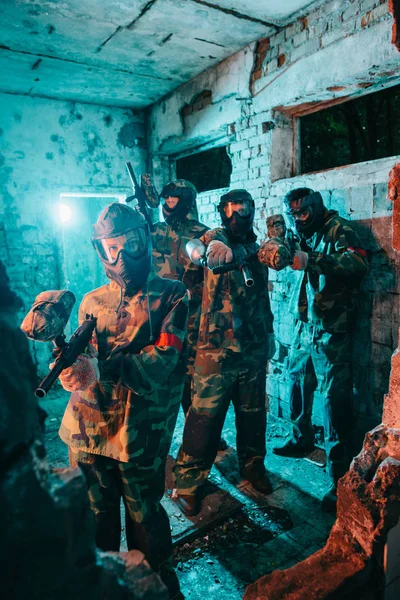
[65,213]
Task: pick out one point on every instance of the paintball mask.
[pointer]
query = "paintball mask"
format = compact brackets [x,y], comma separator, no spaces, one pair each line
[186,194]
[121,238]
[305,210]
[49,315]
[237,212]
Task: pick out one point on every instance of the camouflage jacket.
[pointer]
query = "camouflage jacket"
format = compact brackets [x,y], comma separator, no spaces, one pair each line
[325,294]
[172,262]
[141,367]
[234,316]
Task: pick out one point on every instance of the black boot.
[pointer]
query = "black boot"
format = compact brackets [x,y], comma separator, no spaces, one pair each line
[293,447]
[170,579]
[189,504]
[256,474]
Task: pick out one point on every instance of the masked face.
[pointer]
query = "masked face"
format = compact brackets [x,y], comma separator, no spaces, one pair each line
[127,258]
[171,202]
[178,197]
[306,214]
[133,243]
[238,217]
[300,216]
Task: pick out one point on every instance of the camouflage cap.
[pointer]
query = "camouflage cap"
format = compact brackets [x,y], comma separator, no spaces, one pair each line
[180,188]
[276,226]
[49,315]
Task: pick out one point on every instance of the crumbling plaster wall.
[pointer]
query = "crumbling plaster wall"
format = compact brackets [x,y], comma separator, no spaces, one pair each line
[48,147]
[336,51]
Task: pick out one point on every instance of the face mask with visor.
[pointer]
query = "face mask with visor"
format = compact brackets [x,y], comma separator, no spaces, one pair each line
[133,243]
[243,209]
[300,216]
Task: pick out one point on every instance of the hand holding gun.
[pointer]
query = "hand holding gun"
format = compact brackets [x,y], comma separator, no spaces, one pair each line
[145,194]
[46,322]
[239,258]
[279,250]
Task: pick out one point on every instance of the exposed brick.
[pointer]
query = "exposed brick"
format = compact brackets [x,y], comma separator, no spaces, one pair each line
[256,74]
[303,21]
[281,60]
[278,38]
[351,11]
[300,38]
[308,48]
[238,146]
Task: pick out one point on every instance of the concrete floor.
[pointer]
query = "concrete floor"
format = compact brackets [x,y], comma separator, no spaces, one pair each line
[265,534]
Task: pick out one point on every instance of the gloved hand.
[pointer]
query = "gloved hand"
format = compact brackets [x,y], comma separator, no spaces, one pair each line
[275,254]
[82,374]
[300,261]
[218,254]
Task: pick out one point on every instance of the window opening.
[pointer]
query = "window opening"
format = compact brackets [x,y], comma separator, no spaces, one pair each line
[208,170]
[365,128]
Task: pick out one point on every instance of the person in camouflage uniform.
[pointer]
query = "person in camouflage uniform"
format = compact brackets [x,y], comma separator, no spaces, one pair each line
[172,262]
[127,391]
[331,263]
[232,353]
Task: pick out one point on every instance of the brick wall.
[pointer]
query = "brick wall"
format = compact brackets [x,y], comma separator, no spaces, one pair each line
[359,193]
[322,27]
[263,153]
[48,148]
[335,52]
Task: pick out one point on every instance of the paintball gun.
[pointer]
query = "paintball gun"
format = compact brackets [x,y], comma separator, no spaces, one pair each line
[46,321]
[196,251]
[145,194]
[278,251]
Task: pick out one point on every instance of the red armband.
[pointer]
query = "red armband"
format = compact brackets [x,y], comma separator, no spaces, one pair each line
[169,339]
[359,251]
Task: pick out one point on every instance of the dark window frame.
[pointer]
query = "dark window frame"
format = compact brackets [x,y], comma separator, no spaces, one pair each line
[299,168]
[189,156]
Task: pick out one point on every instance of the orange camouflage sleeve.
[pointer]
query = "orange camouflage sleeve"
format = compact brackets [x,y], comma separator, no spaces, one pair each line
[149,370]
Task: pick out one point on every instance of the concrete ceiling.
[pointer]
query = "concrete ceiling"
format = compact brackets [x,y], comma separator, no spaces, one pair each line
[126,53]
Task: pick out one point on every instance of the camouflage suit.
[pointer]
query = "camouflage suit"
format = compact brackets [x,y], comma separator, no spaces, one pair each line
[172,262]
[232,351]
[324,302]
[119,430]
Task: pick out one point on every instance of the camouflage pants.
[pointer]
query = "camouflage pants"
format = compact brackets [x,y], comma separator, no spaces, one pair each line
[321,361]
[192,336]
[219,378]
[140,484]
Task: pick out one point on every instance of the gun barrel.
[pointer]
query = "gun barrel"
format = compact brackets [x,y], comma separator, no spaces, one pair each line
[227,267]
[131,175]
[48,381]
[247,275]
[68,355]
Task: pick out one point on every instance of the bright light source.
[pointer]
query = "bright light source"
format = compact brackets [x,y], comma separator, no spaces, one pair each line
[65,213]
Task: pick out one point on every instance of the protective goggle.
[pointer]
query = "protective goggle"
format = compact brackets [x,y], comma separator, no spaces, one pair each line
[132,242]
[302,214]
[243,209]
